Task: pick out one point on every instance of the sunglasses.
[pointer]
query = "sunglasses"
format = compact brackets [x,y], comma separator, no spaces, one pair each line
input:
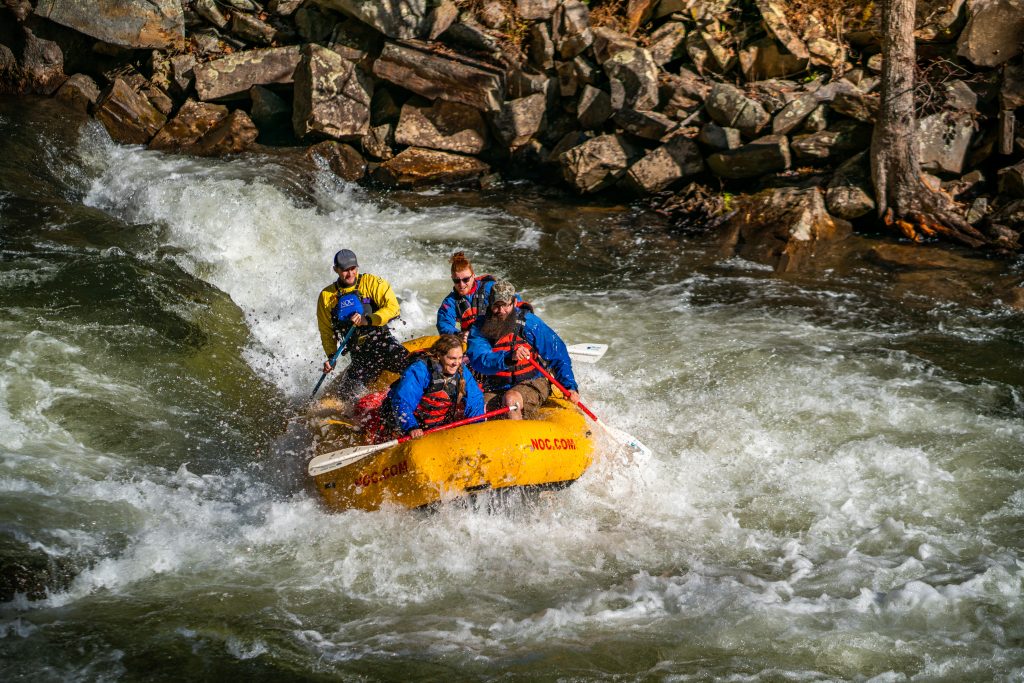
[462,280]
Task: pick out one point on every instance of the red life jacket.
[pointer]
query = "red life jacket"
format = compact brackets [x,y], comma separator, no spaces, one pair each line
[510,342]
[467,308]
[443,399]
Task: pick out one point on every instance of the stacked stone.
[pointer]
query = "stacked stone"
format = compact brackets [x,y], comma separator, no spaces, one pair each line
[422,91]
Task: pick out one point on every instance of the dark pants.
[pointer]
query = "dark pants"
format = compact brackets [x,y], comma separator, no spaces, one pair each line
[374,352]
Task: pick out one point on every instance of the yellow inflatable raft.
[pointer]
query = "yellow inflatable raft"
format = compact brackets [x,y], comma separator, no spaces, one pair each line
[551,451]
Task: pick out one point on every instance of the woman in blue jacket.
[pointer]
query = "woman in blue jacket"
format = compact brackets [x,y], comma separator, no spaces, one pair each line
[436,388]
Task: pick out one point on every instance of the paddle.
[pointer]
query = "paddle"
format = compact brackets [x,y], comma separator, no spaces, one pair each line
[617,434]
[334,357]
[346,456]
[587,353]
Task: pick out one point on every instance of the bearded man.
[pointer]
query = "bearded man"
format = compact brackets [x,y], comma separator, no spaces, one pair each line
[500,346]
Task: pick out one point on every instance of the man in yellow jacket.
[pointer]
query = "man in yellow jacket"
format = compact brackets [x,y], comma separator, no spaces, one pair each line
[372,346]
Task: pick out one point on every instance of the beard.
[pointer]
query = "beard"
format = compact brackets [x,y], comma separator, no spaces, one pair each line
[494,328]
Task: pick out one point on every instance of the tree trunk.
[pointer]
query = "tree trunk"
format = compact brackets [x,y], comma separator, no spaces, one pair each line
[904,200]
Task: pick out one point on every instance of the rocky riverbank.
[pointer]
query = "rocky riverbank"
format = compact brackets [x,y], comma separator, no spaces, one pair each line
[698,105]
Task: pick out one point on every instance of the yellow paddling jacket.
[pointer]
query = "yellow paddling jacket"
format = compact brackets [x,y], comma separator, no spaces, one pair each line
[376,294]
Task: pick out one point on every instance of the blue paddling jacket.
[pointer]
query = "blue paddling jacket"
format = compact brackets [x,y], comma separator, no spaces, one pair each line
[458,313]
[420,397]
[496,362]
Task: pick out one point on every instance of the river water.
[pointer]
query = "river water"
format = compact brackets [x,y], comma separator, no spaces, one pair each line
[836,490]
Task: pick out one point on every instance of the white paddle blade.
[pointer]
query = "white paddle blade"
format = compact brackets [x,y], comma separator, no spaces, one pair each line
[587,353]
[627,440]
[322,464]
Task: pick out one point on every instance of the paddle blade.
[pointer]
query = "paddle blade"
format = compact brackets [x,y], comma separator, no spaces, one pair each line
[626,439]
[346,456]
[587,353]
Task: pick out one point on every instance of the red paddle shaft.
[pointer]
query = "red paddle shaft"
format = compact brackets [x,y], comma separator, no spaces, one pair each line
[459,423]
[551,378]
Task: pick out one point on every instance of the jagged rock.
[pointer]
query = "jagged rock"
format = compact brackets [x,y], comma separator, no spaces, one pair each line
[519,120]
[1011,92]
[597,163]
[183,73]
[234,75]
[849,193]
[415,166]
[649,125]
[536,10]
[817,120]
[719,138]
[936,19]
[42,64]
[493,14]
[251,29]
[594,108]
[79,92]
[284,8]
[668,43]
[314,24]
[680,95]
[233,135]
[772,94]
[342,159]
[129,117]
[994,32]
[676,159]
[128,23]
[667,7]
[763,59]
[709,55]
[11,78]
[401,20]
[774,16]
[243,5]
[729,106]
[471,34]
[433,76]
[633,79]
[1011,180]
[978,210]
[441,18]
[846,137]
[573,34]
[380,141]
[785,228]
[608,42]
[569,140]
[542,49]
[208,10]
[855,104]
[768,154]
[825,52]
[943,141]
[269,111]
[638,13]
[192,122]
[862,80]
[522,84]
[332,96]
[443,125]
[794,113]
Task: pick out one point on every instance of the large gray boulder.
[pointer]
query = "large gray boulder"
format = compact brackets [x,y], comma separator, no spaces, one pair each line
[128,23]
[765,155]
[443,125]
[633,79]
[843,139]
[730,107]
[593,108]
[398,19]
[943,141]
[676,159]
[994,32]
[571,29]
[434,76]
[597,163]
[332,96]
[785,228]
[343,160]
[232,76]
[79,92]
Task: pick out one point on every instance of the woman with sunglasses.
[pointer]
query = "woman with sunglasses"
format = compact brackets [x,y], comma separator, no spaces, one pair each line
[467,301]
